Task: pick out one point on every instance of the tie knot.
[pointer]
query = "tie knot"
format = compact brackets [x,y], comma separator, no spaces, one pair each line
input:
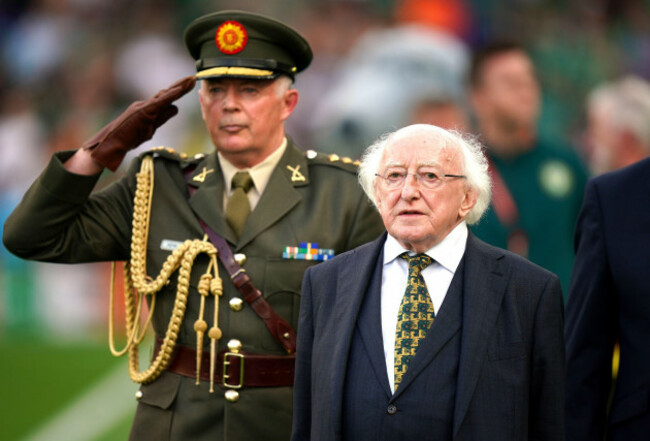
[419,261]
[242,180]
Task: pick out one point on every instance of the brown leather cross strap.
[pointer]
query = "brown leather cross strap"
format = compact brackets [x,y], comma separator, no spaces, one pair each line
[240,369]
[279,328]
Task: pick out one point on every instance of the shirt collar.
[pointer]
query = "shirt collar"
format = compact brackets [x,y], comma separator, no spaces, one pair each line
[447,253]
[260,173]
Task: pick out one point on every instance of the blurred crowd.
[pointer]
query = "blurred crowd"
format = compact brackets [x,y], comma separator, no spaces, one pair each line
[69,66]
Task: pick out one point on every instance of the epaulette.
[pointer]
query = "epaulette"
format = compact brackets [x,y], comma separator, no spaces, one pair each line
[332,159]
[170,153]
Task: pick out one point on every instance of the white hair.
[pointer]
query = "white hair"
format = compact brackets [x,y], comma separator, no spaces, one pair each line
[627,105]
[474,162]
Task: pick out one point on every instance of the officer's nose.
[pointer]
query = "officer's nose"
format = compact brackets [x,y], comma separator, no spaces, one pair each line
[230,99]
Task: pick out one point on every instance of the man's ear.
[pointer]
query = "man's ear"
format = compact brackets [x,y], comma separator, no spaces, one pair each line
[291,97]
[469,200]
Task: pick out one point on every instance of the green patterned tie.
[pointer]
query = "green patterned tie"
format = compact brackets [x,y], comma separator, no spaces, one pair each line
[415,315]
[238,208]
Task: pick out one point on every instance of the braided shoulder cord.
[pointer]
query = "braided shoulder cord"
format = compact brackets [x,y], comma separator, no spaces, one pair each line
[138,284]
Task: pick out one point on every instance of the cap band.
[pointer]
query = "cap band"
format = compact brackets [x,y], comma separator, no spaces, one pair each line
[235,72]
[251,65]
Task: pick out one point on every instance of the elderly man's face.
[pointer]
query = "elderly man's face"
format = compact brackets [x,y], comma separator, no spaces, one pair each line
[417,216]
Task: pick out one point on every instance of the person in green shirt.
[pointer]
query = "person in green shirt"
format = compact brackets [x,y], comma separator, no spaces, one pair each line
[538,183]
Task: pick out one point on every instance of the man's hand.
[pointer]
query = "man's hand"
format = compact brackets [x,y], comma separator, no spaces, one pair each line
[136,125]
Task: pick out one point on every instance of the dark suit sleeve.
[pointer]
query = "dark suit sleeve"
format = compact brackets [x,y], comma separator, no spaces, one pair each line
[302,384]
[590,329]
[548,366]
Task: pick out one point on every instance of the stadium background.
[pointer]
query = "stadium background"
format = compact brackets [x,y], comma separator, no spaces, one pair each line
[68,66]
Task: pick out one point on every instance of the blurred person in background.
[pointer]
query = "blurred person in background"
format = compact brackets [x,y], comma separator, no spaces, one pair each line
[607,326]
[419,53]
[445,112]
[269,210]
[538,183]
[618,124]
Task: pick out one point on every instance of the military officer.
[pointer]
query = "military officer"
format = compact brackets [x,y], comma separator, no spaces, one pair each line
[258,196]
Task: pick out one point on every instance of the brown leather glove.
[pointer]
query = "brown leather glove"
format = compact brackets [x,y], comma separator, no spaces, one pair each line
[136,125]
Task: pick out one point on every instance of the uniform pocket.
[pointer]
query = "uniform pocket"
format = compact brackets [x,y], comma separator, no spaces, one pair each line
[153,416]
[282,283]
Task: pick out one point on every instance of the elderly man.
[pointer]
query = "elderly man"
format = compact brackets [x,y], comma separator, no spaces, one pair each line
[224,359]
[427,332]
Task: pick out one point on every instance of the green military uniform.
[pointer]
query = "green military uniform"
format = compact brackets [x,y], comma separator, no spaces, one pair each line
[309,198]
[546,184]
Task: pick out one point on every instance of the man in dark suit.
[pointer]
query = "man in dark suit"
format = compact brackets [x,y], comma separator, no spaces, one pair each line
[609,303]
[472,349]
[224,362]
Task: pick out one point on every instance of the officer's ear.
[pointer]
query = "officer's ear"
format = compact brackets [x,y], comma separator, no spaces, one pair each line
[289,95]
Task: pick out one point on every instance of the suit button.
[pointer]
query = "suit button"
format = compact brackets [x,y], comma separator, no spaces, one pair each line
[391,409]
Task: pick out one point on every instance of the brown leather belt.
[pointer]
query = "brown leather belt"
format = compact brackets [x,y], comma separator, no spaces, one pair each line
[241,369]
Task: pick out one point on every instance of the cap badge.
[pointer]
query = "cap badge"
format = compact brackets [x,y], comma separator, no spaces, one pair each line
[231,37]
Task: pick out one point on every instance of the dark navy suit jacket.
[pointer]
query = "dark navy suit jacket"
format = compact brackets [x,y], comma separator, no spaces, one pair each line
[510,370]
[609,301]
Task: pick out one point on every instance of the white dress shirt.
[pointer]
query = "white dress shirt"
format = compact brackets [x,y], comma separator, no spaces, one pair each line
[446,255]
[260,174]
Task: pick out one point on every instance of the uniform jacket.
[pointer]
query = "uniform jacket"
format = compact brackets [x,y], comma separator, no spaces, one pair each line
[510,369]
[314,200]
[609,302]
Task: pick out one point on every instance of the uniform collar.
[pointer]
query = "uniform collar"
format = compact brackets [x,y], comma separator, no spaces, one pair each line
[260,173]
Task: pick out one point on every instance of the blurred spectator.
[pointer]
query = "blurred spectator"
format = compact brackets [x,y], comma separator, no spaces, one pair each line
[447,113]
[386,72]
[618,124]
[538,183]
[21,141]
[333,28]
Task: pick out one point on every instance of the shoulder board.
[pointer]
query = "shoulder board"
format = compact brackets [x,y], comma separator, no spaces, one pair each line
[332,159]
[169,153]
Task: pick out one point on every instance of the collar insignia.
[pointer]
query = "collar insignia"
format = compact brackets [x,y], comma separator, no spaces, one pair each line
[201,176]
[296,176]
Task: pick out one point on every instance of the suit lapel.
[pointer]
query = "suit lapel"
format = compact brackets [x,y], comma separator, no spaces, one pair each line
[484,288]
[369,324]
[353,281]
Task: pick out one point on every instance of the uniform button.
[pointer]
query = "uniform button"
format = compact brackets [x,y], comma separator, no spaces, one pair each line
[234,345]
[236,304]
[232,396]
[138,395]
[391,409]
[240,258]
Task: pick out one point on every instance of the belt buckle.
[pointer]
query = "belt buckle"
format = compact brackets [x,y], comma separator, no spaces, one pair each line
[226,363]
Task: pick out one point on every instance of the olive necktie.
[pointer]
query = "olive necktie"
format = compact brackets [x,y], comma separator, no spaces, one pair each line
[238,208]
[415,315]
